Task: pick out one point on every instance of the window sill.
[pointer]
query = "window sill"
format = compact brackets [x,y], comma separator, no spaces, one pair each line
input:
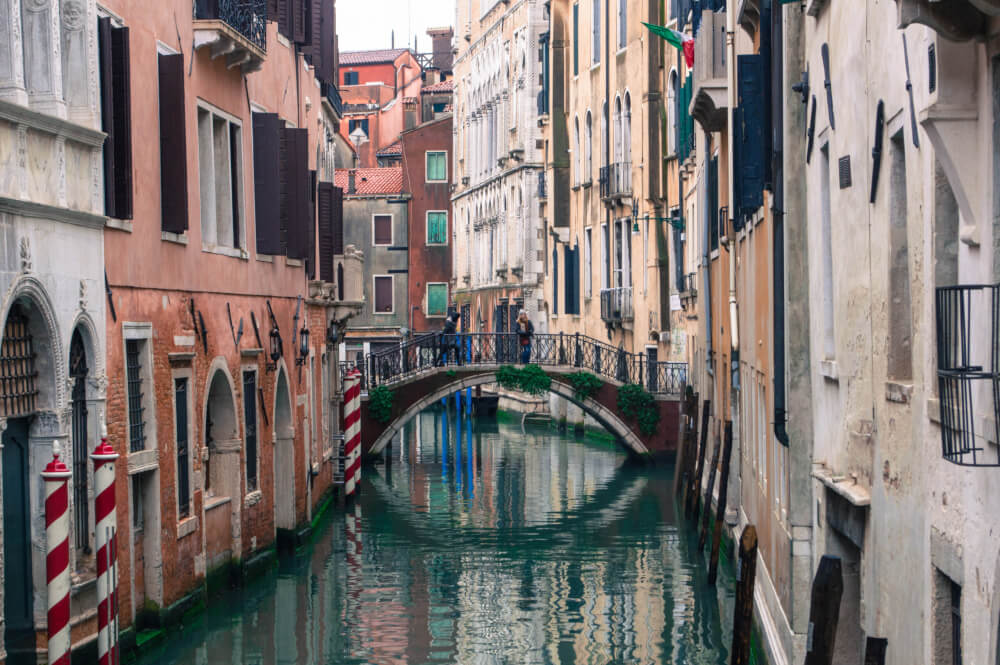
[575,188]
[142,461]
[437,182]
[215,501]
[594,67]
[436,244]
[186,527]
[294,263]
[179,238]
[828,370]
[119,224]
[714,254]
[284,41]
[253,498]
[384,313]
[265,258]
[588,184]
[898,392]
[622,50]
[232,252]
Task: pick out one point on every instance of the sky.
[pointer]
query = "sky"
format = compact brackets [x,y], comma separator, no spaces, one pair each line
[368,24]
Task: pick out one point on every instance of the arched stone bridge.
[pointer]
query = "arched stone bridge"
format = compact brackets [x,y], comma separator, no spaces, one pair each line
[417,382]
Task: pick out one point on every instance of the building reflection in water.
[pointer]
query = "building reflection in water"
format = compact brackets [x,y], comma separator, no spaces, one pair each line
[475,543]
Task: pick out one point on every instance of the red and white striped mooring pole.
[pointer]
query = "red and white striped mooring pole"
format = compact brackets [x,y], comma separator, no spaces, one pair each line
[106,527]
[352,434]
[56,473]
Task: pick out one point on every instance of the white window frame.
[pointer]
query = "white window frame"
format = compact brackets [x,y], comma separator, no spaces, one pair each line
[237,250]
[427,154]
[588,249]
[392,228]
[589,149]
[605,249]
[251,495]
[392,291]
[427,300]
[142,332]
[427,229]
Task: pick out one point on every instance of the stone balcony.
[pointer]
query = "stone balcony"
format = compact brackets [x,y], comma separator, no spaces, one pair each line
[709,102]
[235,29]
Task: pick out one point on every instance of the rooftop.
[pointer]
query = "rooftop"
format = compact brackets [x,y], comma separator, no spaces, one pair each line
[377,57]
[440,86]
[392,150]
[372,181]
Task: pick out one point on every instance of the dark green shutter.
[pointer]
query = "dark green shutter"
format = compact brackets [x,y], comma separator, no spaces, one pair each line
[576,39]
[266,180]
[751,104]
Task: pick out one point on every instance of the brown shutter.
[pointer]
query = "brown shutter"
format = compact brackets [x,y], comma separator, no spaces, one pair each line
[326,61]
[285,192]
[272,10]
[311,228]
[266,179]
[383,294]
[295,197]
[299,20]
[325,195]
[284,17]
[107,112]
[338,221]
[173,145]
[121,80]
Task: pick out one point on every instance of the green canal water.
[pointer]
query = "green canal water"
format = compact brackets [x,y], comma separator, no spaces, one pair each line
[481,544]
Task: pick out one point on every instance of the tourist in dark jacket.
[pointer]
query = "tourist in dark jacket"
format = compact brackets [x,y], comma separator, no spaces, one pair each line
[449,340]
[525,331]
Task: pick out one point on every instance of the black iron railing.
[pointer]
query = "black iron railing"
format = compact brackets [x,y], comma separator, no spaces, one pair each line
[247,17]
[346,366]
[616,304]
[968,356]
[616,180]
[429,351]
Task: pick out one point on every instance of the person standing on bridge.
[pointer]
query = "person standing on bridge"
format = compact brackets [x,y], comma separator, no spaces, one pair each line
[449,340]
[525,331]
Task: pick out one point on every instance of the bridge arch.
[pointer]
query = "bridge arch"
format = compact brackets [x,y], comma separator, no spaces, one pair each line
[594,408]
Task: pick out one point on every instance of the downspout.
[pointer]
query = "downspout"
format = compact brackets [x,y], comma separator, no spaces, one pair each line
[734,322]
[705,256]
[778,222]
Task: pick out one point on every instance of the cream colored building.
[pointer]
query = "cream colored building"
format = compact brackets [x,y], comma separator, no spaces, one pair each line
[498,158]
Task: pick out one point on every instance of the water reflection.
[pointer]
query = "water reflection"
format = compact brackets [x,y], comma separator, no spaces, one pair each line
[474,543]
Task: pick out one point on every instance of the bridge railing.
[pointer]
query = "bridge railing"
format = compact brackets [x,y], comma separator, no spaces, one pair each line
[426,351]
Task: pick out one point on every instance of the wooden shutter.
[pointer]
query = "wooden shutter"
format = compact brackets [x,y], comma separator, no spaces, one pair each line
[338,221]
[107,112]
[299,20]
[272,10]
[751,148]
[295,197]
[327,60]
[173,145]
[285,192]
[325,196]
[383,294]
[437,299]
[314,22]
[382,232]
[266,179]
[284,8]
[311,227]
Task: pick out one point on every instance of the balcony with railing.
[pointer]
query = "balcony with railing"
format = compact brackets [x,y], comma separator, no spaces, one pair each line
[616,304]
[331,96]
[234,29]
[709,104]
[616,181]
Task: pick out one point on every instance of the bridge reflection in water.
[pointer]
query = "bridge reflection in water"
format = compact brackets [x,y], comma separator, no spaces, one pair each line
[474,543]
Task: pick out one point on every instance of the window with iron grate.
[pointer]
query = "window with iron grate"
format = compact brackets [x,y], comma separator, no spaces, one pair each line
[17,362]
[136,411]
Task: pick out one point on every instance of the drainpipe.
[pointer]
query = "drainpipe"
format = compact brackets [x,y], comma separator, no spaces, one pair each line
[734,322]
[778,225]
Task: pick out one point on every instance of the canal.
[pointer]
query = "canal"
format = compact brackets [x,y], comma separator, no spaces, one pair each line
[481,544]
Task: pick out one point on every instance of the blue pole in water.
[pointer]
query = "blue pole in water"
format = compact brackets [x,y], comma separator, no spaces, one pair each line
[470,478]
[468,401]
[458,444]
[444,441]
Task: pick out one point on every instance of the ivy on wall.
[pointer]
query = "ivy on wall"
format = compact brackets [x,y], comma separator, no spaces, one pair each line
[530,379]
[380,401]
[584,384]
[637,404]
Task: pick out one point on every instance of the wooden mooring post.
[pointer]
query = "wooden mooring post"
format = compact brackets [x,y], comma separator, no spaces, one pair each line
[680,473]
[720,510]
[686,462]
[824,610]
[743,613]
[707,509]
[691,507]
[875,648]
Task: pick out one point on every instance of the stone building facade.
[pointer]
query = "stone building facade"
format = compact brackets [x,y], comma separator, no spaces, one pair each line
[52,351]
[499,153]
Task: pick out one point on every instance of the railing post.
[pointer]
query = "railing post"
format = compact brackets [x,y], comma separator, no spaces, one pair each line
[577,352]
[562,351]
[371,371]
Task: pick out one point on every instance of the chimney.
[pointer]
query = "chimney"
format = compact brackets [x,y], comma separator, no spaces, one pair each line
[392,39]
[441,47]
[351,189]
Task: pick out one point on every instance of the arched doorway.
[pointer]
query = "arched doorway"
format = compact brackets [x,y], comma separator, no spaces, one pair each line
[222,472]
[284,456]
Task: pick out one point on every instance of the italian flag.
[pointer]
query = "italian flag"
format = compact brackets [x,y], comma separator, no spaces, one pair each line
[677,39]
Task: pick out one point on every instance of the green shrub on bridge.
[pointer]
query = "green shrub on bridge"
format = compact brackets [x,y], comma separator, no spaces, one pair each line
[637,404]
[584,384]
[380,401]
[530,379]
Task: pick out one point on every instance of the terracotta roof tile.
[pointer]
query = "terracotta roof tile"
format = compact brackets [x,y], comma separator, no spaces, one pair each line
[371,57]
[440,86]
[393,149]
[372,181]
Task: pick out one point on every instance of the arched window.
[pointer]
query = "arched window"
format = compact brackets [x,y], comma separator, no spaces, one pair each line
[604,134]
[576,151]
[617,129]
[672,113]
[589,148]
[627,130]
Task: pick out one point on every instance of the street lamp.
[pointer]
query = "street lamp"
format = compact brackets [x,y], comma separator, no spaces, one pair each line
[275,342]
[303,347]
